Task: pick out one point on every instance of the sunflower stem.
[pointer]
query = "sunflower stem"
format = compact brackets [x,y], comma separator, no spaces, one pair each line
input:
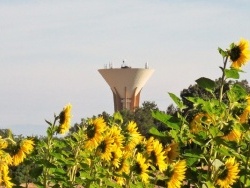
[92,165]
[223,79]
[48,152]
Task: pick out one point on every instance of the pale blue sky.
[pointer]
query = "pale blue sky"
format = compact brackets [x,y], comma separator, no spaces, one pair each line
[50,52]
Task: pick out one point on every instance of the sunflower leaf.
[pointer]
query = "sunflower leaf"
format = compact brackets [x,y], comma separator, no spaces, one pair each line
[207,184]
[222,52]
[168,120]
[206,83]
[232,45]
[193,155]
[48,122]
[232,73]
[155,132]
[177,101]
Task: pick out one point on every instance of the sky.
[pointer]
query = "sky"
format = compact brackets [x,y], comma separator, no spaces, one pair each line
[50,52]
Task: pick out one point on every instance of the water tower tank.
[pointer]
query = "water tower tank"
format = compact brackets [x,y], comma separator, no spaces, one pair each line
[126,84]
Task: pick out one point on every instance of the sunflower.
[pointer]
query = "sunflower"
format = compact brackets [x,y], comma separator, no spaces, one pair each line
[141,146]
[178,174]
[3,168]
[64,119]
[18,158]
[245,115]
[132,127]
[106,147]
[141,167]
[3,143]
[116,157]
[95,129]
[4,178]
[233,135]
[172,152]
[133,131]
[124,166]
[229,174]
[157,155]
[26,147]
[239,53]
[149,145]
[133,138]
[118,140]
[115,133]
[120,180]
[197,122]
[5,158]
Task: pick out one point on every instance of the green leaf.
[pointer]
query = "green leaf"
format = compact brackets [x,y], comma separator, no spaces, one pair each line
[137,185]
[222,52]
[48,122]
[94,185]
[232,45]
[155,132]
[236,93]
[191,160]
[245,178]
[208,184]
[109,183]
[214,131]
[223,151]
[46,163]
[232,73]
[199,139]
[168,120]
[56,155]
[86,175]
[174,134]
[206,83]
[192,155]
[60,171]
[177,100]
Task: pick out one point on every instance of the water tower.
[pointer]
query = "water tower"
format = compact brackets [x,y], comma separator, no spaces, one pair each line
[126,84]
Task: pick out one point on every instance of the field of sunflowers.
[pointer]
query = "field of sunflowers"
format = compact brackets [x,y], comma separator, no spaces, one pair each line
[212,150]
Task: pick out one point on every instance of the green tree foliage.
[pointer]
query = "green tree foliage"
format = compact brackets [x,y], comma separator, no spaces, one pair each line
[142,116]
[196,91]
[5,132]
